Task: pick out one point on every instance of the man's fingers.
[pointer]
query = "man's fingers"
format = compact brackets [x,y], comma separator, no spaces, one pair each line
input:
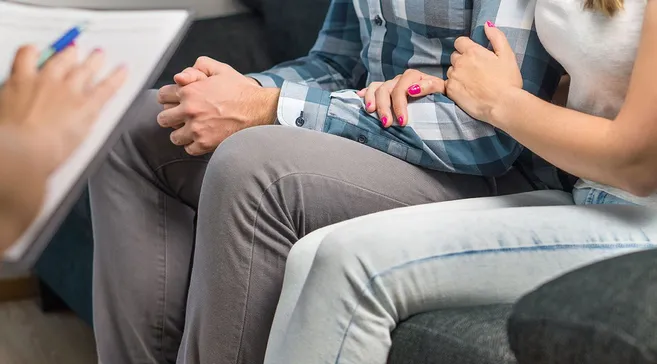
[182,136]
[370,96]
[102,92]
[168,95]
[169,106]
[189,75]
[498,40]
[195,149]
[172,117]
[25,62]
[427,86]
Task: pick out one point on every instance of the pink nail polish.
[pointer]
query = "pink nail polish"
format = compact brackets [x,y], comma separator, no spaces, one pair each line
[414,90]
[401,120]
[490,24]
[384,121]
[368,105]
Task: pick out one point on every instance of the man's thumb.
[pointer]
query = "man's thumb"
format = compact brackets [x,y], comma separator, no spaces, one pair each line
[498,40]
[209,66]
[189,75]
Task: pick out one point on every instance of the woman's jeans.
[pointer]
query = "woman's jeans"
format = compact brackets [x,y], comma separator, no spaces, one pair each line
[348,285]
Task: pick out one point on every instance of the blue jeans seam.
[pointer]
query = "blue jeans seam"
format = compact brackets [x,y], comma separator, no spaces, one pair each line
[553,247]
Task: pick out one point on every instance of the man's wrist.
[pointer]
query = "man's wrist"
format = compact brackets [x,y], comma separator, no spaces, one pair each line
[269,101]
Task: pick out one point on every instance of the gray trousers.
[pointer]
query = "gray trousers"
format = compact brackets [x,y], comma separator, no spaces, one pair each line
[165,291]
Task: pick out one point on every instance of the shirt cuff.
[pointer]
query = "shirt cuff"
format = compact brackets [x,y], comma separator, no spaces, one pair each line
[303,106]
[265,80]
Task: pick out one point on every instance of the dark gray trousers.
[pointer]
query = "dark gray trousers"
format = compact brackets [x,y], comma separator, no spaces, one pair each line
[164,291]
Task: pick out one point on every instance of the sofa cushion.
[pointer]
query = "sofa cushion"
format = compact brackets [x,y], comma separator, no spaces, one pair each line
[605,313]
[291,26]
[237,40]
[474,335]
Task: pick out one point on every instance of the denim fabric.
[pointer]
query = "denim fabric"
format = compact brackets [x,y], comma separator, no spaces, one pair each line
[454,336]
[592,196]
[347,286]
[605,313]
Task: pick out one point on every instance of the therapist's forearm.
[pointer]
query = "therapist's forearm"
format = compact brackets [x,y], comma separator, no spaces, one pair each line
[22,185]
[583,145]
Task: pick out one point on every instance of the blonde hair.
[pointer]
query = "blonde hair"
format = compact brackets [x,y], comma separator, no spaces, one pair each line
[607,7]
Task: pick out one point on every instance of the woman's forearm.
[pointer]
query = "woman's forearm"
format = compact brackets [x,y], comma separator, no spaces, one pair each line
[586,146]
[22,185]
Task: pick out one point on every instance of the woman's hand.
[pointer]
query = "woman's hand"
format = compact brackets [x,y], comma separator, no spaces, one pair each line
[55,107]
[390,99]
[479,78]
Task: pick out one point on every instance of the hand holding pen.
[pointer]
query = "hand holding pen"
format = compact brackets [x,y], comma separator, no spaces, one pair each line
[54,98]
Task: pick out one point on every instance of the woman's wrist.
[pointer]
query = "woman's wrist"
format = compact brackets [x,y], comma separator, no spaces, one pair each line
[504,112]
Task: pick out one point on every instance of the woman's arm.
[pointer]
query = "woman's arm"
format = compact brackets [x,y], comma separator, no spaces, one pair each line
[22,185]
[621,153]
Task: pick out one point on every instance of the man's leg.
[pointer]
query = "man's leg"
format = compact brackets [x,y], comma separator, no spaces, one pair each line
[266,188]
[143,203]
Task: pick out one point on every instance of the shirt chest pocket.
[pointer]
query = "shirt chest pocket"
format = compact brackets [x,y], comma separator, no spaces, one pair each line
[431,18]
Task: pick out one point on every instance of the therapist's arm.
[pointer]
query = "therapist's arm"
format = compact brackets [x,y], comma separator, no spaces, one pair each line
[44,115]
[24,174]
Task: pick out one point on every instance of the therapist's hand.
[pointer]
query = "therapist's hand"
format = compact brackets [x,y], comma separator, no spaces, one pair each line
[55,106]
[212,101]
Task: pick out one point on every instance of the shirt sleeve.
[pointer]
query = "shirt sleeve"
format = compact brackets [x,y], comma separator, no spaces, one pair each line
[440,135]
[333,63]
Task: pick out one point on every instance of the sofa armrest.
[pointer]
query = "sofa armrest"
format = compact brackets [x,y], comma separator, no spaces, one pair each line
[605,313]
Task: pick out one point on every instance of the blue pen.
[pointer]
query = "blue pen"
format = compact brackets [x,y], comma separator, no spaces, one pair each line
[61,44]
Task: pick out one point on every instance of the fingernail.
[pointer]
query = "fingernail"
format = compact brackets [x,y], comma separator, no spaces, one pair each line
[368,105]
[490,24]
[98,50]
[384,121]
[414,90]
[401,120]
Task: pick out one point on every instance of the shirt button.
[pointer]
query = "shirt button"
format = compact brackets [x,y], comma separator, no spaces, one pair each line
[378,21]
[300,120]
[362,139]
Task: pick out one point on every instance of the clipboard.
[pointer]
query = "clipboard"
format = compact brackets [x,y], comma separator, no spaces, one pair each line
[24,253]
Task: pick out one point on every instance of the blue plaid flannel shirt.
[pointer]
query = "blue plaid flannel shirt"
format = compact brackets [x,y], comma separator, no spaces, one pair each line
[364,41]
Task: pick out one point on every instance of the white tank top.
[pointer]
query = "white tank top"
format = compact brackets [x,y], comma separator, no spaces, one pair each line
[598,52]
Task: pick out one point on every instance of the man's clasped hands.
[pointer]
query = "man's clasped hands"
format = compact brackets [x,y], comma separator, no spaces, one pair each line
[210,101]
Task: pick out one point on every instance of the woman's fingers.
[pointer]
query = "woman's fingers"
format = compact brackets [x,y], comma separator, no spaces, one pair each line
[427,86]
[105,89]
[454,58]
[25,62]
[370,96]
[61,64]
[399,94]
[82,77]
[384,103]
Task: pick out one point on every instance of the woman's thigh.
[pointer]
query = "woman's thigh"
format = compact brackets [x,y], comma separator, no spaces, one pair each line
[370,274]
